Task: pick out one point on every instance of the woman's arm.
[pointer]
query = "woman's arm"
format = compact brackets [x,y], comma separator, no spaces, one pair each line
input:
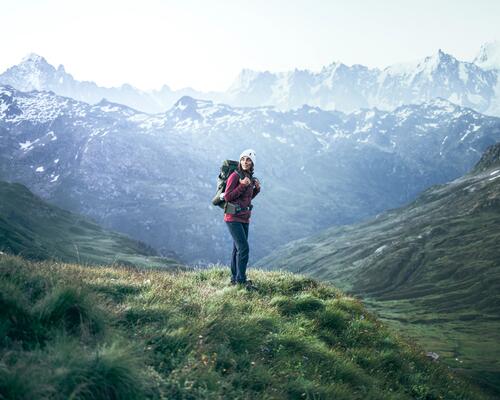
[234,188]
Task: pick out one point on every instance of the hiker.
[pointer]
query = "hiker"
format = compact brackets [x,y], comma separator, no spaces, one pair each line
[241,188]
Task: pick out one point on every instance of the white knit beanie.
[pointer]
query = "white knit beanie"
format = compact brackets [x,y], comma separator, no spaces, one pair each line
[250,153]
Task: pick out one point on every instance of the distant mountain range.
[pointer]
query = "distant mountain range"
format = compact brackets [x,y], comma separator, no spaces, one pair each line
[347,89]
[152,176]
[35,73]
[36,230]
[337,86]
[432,267]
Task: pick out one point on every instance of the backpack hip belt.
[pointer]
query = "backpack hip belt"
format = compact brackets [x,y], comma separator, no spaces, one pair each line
[241,209]
[231,208]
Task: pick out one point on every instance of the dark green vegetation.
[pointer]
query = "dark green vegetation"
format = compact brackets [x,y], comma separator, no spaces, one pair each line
[76,332]
[432,268]
[37,230]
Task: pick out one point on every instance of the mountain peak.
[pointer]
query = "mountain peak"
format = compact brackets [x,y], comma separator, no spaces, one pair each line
[32,73]
[333,67]
[34,58]
[440,57]
[105,102]
[187,107]
[441,102]
[248,77]
[186,102]
[439,62]
[489,56]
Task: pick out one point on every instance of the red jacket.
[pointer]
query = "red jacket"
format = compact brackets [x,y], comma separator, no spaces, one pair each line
[240,194]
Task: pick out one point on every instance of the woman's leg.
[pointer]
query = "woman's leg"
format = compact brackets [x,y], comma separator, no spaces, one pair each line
[234,261]
[239,233]
[243,261]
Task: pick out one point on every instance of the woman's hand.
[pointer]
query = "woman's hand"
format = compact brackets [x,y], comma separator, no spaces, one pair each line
[245,181]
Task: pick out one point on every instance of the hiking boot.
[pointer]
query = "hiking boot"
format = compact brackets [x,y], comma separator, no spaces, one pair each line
[233,283]
[249,285]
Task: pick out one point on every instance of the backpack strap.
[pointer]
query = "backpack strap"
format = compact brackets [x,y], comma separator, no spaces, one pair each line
[240,174]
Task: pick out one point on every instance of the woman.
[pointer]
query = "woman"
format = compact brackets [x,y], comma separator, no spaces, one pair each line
[241,188]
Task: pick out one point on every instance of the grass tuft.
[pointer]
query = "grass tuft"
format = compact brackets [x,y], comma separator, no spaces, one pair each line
[304,303]
[111,372]
[23,379]
[333,320]
[16,322]
[72,309]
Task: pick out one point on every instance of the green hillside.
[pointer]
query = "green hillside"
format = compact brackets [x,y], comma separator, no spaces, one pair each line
[37,230]
[74,332]
[432,269]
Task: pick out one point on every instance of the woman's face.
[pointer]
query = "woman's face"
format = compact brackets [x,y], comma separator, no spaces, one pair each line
[246,163]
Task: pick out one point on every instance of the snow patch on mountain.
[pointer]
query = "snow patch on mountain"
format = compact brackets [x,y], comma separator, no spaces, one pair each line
[27,146]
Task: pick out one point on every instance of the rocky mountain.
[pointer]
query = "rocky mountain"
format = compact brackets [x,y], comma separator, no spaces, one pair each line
[37,230]
[153,176]
[431,268]
[336,87]
[35,73]
[488,57]
[347,89]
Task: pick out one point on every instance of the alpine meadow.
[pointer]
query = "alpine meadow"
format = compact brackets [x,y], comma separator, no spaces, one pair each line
[250,200]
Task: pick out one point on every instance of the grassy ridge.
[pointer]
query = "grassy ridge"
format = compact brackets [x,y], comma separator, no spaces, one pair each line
[124,333]
[37,230]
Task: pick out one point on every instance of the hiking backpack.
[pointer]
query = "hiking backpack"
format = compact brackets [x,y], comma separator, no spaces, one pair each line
[227,168]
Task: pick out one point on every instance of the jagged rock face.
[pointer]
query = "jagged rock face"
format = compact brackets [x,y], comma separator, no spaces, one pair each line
[349,88]
[153,176]
[488,57]
[490,158]
[35,73]
[335,87]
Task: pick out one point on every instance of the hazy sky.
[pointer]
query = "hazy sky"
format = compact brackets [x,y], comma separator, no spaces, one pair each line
[205,44]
